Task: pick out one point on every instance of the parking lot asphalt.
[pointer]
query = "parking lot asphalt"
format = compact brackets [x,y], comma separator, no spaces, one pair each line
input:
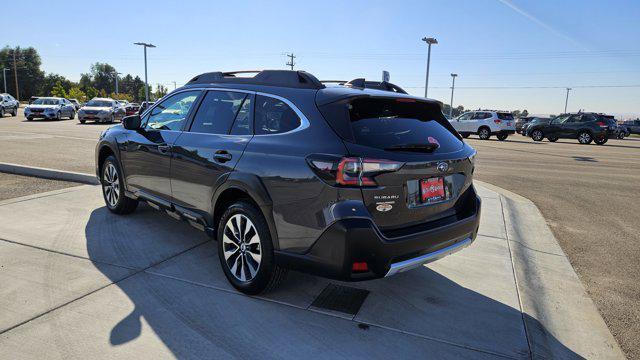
[84,283]
[589,196]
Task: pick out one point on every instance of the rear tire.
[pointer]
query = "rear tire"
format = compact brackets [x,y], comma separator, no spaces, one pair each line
[537,135]
[82,121]
[15,112]
[73,115]
[249,262]
[113,188]
[552,139]
[1,112]
[465,135]
[601,141]
[620,135]
[484,133]
[502,137]
[585,138]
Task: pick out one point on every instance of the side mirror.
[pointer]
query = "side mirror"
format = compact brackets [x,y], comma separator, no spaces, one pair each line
[132,122]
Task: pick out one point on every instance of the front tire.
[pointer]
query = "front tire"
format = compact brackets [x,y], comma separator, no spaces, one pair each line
[113,188]
[585,138]
[73,115]
[1,112]
[14,113]
[484,133]
[552,139]
[82,121]
[465,135]
[245,250]
[537,135]
[601,141]
[502,137]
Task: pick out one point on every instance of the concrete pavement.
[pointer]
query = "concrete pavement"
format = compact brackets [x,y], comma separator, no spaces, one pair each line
[79,282]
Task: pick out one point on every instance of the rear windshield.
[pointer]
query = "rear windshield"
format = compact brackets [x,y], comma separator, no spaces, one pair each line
[396,123]
[505,116]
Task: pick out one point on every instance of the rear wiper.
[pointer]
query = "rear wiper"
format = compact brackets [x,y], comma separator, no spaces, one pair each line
[430,147]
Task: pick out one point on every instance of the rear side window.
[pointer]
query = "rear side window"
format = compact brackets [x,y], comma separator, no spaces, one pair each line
[217,112]
[273,116]
[505,116]
[389,123]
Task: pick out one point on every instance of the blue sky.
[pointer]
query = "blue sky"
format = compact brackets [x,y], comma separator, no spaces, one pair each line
[508,54]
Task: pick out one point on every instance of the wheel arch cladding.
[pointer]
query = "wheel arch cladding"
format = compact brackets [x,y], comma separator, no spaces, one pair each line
[248,187]
[105,152]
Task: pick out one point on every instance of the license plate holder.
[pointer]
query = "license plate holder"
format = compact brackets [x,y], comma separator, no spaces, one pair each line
[433,190]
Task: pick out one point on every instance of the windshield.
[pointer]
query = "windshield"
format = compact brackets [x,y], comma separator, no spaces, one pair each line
[400,124]
[47,102]
[99,103]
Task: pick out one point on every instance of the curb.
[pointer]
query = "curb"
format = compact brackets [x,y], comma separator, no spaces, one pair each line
[49,173]
[561,320]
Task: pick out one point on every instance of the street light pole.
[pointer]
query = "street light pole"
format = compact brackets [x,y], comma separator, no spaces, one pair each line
[429,41]
[117,73]
[566,100]
[146,84]
[453,86]
[4,77]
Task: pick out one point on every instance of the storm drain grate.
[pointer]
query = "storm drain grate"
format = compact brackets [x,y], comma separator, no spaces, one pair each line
[340,298]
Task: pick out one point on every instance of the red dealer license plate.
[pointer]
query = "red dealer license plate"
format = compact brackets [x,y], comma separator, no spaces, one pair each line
[432,190]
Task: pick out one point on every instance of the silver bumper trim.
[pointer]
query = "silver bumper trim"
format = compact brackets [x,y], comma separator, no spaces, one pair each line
[427,258]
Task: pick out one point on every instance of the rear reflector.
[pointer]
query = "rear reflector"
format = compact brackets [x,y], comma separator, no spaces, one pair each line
[497,121]
[359,267]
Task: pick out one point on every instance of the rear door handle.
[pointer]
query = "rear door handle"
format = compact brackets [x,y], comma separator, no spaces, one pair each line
[222,156]
[164,148]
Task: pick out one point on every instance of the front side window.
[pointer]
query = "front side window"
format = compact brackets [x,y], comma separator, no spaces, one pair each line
[172,112]
[217,112]
[273,116]
[466,116]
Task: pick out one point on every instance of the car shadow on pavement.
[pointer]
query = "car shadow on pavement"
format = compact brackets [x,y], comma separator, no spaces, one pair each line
[192,319]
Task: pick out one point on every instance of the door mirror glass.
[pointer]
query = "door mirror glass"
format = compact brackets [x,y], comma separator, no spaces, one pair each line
[132,122]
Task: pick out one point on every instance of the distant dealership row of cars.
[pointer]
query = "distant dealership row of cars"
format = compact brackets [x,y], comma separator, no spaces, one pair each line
[586,127]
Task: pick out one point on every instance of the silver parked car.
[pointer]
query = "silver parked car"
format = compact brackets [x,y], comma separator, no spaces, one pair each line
[8,105]
[101,110]
[51,108]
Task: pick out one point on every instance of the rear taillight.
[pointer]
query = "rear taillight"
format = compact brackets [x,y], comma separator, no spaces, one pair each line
[350,171]
[497,121]
[602,124]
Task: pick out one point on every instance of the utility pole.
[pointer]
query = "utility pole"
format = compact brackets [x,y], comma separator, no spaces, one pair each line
[429,41]
[4,77]
[566,100]
[291,62]
[453,86]
[146,83]
[15,75]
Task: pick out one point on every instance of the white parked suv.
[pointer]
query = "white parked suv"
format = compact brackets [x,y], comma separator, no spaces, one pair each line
[485,123]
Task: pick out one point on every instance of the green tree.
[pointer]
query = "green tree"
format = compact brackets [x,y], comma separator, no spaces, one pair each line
[76,93]
[91,92]
[103,77]
[161,91]
[51,80]
[28,68]
[58,90]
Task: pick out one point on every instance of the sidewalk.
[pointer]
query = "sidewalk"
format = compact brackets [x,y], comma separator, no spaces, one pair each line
[79,282]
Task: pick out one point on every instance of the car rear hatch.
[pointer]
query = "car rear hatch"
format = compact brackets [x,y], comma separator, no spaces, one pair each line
[505,121]
[412,167]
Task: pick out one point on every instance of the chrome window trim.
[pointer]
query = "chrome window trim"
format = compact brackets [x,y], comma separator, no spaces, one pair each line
[304,122]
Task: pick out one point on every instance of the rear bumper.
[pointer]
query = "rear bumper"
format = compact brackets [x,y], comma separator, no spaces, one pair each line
[359,240]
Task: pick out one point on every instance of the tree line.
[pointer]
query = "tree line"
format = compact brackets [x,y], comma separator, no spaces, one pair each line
[99,81]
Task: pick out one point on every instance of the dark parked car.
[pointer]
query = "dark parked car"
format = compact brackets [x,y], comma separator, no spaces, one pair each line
[32,99]
[75,103]
[633,126]
[585,127]
[351,184]
[520,122]
[534,120]
[8,105]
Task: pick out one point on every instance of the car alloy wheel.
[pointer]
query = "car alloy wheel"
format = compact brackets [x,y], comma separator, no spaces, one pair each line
[111,185]
[241,245]
[584,138]
[1,112]
[484,134]
[537,135]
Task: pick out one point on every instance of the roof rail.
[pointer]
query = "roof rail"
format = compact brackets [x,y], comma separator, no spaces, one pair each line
[284,78]
[379,85]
